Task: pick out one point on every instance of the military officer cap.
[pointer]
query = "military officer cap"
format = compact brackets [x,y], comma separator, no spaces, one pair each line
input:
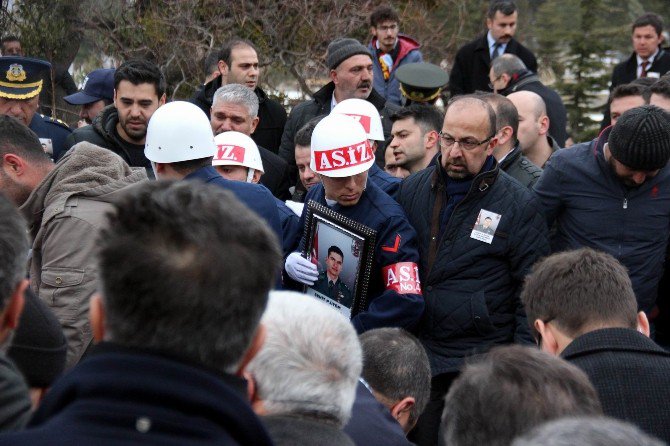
[421,82]
[21,77]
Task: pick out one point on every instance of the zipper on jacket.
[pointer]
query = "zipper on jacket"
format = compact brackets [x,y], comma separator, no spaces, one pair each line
[625,203]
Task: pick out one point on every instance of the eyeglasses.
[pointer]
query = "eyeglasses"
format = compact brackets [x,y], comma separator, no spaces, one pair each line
[384,28]
[491,86]
[447,142]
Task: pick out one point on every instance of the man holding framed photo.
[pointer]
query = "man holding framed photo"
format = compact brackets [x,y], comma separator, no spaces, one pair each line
[341,156]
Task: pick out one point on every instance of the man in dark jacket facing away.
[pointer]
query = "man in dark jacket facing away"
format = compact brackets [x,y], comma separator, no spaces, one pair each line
[173,329]
[351,74]
[581,305]
[613,194]
[139,89]
[238,64]
[471,280]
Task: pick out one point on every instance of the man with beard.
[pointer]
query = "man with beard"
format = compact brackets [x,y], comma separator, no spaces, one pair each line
[626,212]
[139,89]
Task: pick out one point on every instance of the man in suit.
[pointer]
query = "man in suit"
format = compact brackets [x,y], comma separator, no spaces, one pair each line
[471,66]
[581,306]
[648,58]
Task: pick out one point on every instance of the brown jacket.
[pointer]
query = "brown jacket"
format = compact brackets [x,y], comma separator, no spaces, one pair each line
[64,214]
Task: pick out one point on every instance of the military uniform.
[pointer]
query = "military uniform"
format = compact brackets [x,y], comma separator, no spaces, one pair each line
[52,132]
[421,82]
[338,291]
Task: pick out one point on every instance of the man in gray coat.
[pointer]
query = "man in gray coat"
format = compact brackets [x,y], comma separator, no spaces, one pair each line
[65,205]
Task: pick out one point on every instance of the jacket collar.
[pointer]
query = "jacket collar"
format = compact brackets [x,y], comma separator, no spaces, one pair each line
[608,339]
[480,183]
[511,157]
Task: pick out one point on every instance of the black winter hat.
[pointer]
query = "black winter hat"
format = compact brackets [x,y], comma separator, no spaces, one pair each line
[343,48]
[640,139]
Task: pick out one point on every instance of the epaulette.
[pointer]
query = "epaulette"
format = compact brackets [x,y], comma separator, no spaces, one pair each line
[55,121]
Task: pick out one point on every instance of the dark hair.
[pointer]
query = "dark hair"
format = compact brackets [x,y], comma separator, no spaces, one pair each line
[141,71]
[185,268]
[188,166]
[579,288]
[9,38]
[13,249]
[649,18]
[661,87]
[19,139]
[336,250]
[510,390]
[473,99]
[383,13]
[210,62]
[396,366]
[304,136]
[226,52]
[427,116]
[631,89]
[506,112]
[506,7]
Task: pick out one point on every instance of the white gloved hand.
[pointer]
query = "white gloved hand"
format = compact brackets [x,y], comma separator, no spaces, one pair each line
[300,269]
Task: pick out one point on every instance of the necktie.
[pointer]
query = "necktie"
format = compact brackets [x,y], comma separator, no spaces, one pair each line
[330,284]
[643,72]
[496,50]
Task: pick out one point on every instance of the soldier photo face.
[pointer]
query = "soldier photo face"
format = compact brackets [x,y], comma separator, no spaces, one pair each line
[353,78]
[244,67]
[346,191]
[646,41]
[502,26]
[334,265]
[386,33]
[308,177]
[227,116]
[21,109]
[465,141]
[135,105]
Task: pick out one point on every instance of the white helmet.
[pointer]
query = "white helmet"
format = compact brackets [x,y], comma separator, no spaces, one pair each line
[365,113]
[179,131]
[340,147]
[237,149]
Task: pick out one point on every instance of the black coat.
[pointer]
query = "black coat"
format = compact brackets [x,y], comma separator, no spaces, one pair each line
[276,176]
[296,430]
[472,288]
[320,106]
[626,71]
[271,114]
[520,168]
[631,374]
[558,116]
[473,62]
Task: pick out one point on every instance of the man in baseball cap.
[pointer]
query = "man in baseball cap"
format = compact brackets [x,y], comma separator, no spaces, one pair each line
[96,94]
[341,156]
[613,194]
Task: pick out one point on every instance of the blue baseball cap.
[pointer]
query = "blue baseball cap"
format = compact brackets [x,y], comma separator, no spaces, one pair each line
[98,85]
[21,77]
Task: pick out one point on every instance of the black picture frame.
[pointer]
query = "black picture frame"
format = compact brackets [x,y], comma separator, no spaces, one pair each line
[324,226]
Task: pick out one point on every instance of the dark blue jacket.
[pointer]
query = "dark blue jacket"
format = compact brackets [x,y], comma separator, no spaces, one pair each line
[378,211]
[49,128]
[591,207]
[371,423]
[258,198]
[290,225]
[386,182]
[121,396]
[472,288]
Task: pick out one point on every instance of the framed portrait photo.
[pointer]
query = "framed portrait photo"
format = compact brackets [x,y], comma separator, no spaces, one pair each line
[343,251]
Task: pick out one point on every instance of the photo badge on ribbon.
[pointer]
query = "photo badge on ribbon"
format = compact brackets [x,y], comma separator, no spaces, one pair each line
[485,226]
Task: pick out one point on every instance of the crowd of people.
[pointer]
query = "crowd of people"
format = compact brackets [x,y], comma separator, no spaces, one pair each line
[368,269]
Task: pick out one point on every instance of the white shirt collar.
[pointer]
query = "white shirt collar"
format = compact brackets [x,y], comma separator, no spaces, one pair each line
[491,41]
[650,59]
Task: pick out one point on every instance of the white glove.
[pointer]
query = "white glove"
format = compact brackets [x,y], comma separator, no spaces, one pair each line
[300,269]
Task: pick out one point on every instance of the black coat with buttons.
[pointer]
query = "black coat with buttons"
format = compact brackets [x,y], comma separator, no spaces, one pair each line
[471,288]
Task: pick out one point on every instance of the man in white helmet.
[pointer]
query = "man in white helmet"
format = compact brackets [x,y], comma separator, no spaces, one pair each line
[237,159]
[367,115]
[342,156]
[180,145]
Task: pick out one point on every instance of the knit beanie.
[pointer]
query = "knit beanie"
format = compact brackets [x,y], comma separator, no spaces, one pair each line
[38,348]
[640,139]
[343,48]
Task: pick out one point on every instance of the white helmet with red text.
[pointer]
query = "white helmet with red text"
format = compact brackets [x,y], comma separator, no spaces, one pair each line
[365,113]
[340,147]
[237,149]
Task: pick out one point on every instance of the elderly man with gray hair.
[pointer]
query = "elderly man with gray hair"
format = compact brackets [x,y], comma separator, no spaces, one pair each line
[235,107]
[304,377]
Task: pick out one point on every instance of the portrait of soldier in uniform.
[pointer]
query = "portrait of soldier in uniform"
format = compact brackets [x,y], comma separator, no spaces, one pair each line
[329,283]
